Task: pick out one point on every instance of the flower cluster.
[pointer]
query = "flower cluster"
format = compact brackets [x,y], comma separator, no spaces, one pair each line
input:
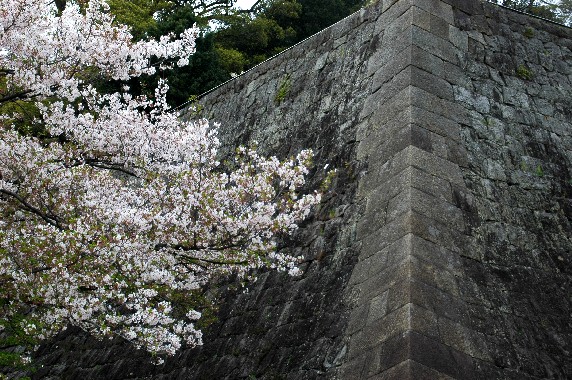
[120,207]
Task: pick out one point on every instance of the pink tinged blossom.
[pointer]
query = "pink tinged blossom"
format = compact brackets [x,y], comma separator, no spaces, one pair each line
[103,229]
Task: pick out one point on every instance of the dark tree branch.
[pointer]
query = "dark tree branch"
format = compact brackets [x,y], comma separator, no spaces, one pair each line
[195,247]
[110,166]
[51,220]
[17,96]
[199,260]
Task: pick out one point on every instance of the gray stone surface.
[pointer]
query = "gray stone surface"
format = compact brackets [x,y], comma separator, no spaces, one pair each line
[444,247]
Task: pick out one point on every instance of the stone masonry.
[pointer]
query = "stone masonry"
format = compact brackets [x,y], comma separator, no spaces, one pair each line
[443,247]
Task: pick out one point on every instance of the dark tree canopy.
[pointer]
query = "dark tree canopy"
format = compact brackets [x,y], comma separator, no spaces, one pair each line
[243,38]
[559,11]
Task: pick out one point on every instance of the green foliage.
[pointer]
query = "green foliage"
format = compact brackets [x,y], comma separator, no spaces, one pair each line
[138,14]
[231,60]
[241,40]
[528,33]
[14,341]
[283,89]
[559,11]
[246,40]
[19,112]
[564,11]
[261,37]
[205,70]
[319,14]
[195,108]
[524,72]
[198,300]
[538,171]
[329,180]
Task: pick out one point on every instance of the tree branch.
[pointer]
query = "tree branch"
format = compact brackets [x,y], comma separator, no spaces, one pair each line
[6,72]
[216,262]
[197,260]
[16,96]
[51,220]
[110,166]
[195,247]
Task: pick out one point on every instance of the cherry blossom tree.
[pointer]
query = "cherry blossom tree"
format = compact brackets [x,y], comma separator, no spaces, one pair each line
[111,207]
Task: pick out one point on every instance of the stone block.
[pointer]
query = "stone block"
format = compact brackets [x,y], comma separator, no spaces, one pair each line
[399,295]
[434,165]
[421,18]
[380,141]
[438,301]
[383,67]
[431,83]
[377,333]
[463,339]
[391,10]
[358,318]
[398,250]
[459,38]
[392,352]
[410,370]
[424,321]
[383,280]
[368,266]
[385,112]
[399,371]
[455,74]
[440,47]
[374,218]
[427,61]
[436,254]
[441,358]
[431,184]
[453,111]
[435,122]
[396,83]
[433,207]
[385,171]
[439,26]
[385,70]
[434,275]
[396,138]
[420,371]
[352,369]
[432,230]
[383,192]
[399,205]
[377,308]
[437,8]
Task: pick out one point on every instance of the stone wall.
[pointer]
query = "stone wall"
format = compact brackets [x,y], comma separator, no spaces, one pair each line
[518,204]
[443,248]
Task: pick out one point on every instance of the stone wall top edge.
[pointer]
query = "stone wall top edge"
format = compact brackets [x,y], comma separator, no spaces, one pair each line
[539,18]
[374,11]
[362,15]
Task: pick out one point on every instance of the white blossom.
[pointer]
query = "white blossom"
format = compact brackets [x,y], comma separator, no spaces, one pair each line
[124,207]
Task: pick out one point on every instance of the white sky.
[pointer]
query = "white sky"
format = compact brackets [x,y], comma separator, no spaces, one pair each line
[245,4]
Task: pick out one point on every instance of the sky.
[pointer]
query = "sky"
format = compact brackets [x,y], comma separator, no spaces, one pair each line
[245,4]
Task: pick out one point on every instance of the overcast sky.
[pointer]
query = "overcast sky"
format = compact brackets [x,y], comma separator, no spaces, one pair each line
[245,4]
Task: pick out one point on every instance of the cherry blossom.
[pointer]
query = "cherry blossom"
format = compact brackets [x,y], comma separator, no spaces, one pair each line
[119,207]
